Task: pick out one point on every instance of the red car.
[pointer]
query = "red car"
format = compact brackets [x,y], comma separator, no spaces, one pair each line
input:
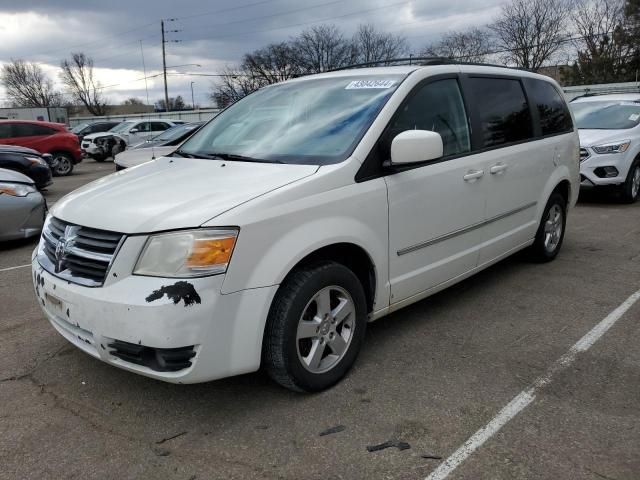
[45,137]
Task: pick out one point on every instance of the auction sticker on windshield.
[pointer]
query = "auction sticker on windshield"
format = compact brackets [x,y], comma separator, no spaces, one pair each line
[356,84]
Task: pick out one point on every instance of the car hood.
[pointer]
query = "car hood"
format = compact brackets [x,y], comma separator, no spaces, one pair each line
[16,149]
[589,137]
[93,136]
[7,175]
[131,158]
[172,192]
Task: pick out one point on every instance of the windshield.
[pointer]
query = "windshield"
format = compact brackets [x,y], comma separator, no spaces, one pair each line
[121,127]
[318,121]
[79,128]
[174,133]
[606,115]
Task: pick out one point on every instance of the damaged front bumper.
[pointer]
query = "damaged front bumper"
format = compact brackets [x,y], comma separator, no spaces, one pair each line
[179,331]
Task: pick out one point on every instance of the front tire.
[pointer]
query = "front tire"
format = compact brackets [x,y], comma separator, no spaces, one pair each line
[315,327]
[631,187]
[550,234]
[64,165]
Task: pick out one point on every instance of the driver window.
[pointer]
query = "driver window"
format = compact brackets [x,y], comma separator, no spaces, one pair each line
[437,107]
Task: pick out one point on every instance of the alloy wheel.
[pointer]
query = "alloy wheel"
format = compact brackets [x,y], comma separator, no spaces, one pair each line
[63,165]
[635,182]
[553,228]
[325,329]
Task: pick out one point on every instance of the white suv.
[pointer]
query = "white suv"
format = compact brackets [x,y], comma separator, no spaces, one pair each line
[305,210]
[101,145]
[609,127]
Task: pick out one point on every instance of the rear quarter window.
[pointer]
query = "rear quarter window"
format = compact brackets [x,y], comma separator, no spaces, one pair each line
[552,109]
[502,110]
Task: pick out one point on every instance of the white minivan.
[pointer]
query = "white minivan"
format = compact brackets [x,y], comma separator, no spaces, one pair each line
[305,210]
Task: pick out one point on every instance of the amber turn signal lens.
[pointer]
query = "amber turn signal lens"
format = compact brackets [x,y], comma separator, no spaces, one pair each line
[208,252]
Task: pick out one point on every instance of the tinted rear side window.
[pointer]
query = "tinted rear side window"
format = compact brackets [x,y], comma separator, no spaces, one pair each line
[503,110]
[31,130]
[552,109]
[159,126]
[5,130]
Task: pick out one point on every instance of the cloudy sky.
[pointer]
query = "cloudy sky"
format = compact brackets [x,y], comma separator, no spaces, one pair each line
[211,33]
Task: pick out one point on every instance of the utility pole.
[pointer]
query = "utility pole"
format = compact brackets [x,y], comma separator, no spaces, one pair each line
[164,69]
[193,102]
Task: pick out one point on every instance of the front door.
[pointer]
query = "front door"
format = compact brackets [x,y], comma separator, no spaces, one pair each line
[436,210]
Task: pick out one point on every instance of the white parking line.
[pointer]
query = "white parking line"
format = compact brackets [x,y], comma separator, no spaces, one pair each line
[524,398]
[14,268]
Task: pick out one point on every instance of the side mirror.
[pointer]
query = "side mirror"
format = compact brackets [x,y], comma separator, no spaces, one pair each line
[134,130]
[414,146]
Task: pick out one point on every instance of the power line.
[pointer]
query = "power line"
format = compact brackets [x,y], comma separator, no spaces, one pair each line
[280,14]
[100,40]
[215,12]
[358,12]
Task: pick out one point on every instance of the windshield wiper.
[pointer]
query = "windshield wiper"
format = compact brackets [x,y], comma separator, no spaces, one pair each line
[180,153]
[237,158]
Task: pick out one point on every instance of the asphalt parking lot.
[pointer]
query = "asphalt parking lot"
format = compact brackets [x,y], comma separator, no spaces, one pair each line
[429,376]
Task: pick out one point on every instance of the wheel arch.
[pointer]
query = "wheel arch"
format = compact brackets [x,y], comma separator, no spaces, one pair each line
[352,256]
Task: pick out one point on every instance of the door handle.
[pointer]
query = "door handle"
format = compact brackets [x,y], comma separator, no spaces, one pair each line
[498,168]
[473,175]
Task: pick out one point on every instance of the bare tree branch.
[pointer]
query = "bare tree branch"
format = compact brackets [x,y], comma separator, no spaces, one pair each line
[371,45]
[468,45]
[28,86]
[531,31]
[606,43]
[77,75]
[321,48]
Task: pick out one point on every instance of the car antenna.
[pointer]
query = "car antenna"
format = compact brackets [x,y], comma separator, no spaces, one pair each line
[146,87]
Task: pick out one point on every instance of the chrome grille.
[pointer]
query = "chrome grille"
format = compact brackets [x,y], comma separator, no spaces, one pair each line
[79,254]
[584,154]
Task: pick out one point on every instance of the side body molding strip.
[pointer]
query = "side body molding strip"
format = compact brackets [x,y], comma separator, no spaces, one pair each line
[464,230]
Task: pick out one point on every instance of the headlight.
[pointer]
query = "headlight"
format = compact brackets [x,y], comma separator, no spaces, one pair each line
[190,253]
[16,189]
[612,147]
[38,160]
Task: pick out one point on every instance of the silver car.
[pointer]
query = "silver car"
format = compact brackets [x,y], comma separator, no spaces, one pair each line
[22,207]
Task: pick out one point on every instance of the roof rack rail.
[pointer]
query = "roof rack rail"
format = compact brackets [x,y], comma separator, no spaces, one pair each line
[418,61]
[589,93]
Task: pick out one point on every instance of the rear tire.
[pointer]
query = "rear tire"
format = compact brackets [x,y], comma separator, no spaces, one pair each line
[64,165]
[550,234]
[631,188]
[315,327]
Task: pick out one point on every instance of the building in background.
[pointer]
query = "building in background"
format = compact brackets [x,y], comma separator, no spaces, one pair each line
[45,114]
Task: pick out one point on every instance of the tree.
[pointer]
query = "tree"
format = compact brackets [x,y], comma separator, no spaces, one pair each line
[470,45]
[27,85]
[77,75]
[321,48]
[133,101]
[371,45]
[605,45]
[175,104]
[272,64]
[233,85]
[530,32]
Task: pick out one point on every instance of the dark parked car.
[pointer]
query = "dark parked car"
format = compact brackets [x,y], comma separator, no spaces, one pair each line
[95,127]
[30,151]
[45,137]
[28,162]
